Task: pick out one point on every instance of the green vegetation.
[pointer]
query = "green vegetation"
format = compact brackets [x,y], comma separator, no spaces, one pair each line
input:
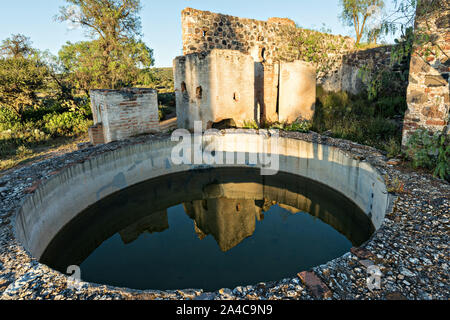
[357,13]
[161,79]
[298,126]
[431,151]
[311,46]
[250,124]
[44,99]
[39,127]
[116,57]
[356,118]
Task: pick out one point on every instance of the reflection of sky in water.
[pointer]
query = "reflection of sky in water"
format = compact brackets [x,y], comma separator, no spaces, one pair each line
[282,244]
[209,229]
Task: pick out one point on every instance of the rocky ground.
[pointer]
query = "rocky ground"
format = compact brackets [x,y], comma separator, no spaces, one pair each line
[411,248]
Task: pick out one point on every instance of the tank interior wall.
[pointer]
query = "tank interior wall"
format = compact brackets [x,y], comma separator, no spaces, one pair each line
[59,199]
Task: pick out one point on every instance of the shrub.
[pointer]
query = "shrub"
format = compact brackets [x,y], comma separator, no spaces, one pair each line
[250,124]
[38,126]
[393,147]
[299,126]
[67,123]
[431,151]
[356,118]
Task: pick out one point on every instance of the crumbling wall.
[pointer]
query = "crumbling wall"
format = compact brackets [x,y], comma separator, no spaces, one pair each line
[120,114]
[267,41]
[337,60]
[428,89]
[214,87]
[228,84]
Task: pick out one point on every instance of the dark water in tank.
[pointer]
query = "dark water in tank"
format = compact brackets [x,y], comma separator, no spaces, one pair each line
[209,229]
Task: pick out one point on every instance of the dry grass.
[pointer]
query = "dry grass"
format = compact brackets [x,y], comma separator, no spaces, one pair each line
[26,156]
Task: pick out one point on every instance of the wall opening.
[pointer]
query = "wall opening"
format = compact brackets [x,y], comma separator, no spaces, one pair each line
[199,92]
[236,97]
[184,92]
[277,109]
[262,54]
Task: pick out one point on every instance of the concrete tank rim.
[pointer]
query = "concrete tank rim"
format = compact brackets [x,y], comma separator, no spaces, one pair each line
[359,152]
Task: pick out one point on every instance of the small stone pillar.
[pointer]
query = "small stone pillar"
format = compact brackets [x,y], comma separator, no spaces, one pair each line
[120,114]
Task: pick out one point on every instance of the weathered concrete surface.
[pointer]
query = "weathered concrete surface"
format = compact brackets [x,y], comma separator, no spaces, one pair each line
[214,87]
[227,84]
[61,198]
[297,91]
[121,114]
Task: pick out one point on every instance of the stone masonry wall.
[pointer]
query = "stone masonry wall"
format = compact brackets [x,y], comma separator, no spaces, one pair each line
[336,59]
[121,114]
[267,41]
[428,90]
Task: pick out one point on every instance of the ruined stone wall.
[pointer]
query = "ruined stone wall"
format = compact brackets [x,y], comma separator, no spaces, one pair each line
[428,90]
[214,87]
[359,64]
[336,59]
[228,84]
[267,41]
[120,114]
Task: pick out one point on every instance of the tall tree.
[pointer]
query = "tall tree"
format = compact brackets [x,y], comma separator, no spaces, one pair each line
[116,54]
[21,78]
[356,13]
[16,46]
[111,20]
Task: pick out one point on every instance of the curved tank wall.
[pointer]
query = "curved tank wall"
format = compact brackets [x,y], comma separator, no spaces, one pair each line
[66,194]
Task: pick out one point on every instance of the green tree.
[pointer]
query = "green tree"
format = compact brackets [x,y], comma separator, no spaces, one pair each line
[86,67]
[116,55]
[20,80]
[356,13]
[16,46]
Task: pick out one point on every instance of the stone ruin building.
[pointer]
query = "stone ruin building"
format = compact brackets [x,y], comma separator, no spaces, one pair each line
[239,69]
[278,87]
[230,71]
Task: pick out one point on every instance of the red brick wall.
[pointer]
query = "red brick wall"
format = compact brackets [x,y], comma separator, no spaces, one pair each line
[126,113]
[96,134]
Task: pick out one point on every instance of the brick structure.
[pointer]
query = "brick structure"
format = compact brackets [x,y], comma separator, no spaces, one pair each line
[120,114]
[428,89]
[96,134]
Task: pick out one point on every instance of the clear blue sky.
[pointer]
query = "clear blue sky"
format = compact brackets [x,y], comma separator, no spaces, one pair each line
[161,20]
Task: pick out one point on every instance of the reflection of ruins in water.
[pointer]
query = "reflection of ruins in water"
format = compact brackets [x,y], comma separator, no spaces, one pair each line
[224,203]
[229,212]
